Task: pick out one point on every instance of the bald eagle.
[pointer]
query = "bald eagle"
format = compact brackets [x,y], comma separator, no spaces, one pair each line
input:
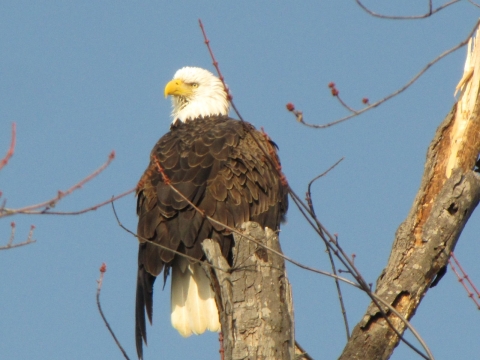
[221,166]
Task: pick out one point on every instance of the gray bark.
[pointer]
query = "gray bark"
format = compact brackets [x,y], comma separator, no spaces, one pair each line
[253,297]
[422,244]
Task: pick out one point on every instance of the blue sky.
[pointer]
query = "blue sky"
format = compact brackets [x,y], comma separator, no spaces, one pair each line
[81,79]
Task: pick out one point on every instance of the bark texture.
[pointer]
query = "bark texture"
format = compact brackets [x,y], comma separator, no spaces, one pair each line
[448,194]
[253,297]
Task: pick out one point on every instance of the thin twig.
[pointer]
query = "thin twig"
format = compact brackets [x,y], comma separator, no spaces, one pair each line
[336,94]
[464,279]
[78,212]
[11,149]
[340,296]
[103,269]
[465,275]
[321,175]
[222,350]
[219,72]
[474,3]
[271,159]
[215,62]
[142,239]
[407,323]
[330,256]
[361,283]
[11,245]
[286,258]
[397,92]
[47,205]
[429,13]
[346,106]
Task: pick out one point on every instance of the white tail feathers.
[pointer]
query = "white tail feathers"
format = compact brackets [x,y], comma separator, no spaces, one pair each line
[193,307]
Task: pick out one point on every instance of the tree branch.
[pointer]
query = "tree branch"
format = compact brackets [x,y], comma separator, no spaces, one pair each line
[103,270]
[300,118]
[11,245]
[44,207]
[11,149]
[448,194]
[254,297]
[464,279]
[429,13]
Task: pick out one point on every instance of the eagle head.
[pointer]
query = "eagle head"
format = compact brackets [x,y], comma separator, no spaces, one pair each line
[196,93]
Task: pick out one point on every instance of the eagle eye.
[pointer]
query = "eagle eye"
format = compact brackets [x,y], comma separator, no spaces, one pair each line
[194,85]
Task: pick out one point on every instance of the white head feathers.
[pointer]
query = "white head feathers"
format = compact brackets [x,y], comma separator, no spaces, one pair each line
[196,93]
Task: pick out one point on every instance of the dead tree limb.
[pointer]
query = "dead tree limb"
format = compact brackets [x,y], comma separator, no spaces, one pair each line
[448,194]
[253,297]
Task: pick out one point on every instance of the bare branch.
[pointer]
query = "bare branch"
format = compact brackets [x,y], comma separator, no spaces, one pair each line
[142,239]
[408,324]
[217,67]
[103,269]
[336,94]
[215,62]
[271,158]
[397,92]
[11,149]
[11,245]
[423,242]
[330,256]
[45,206]
[474,3]
[351,269]
[91,208]
[429,13]
[318,177]
[332,244]
[448,194]
[464,279]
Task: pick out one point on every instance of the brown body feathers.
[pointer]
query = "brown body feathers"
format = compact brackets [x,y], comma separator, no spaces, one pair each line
[217,164]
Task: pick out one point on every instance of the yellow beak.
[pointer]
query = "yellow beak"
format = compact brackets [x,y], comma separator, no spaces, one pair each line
[177,87]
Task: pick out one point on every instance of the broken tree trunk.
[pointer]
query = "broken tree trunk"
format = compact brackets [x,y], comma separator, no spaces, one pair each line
[253,297]
[448,194]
